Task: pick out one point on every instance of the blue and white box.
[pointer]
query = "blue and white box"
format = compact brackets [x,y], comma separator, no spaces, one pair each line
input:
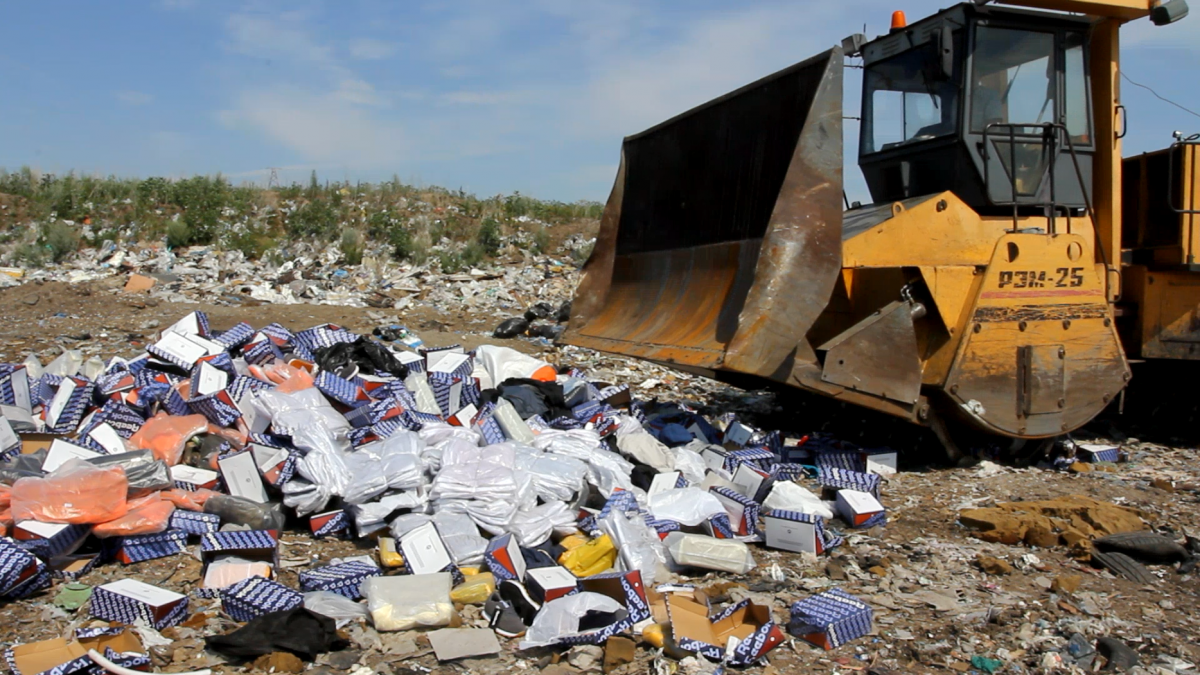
[21,573]
[743,511]
[830,619]
[127,600]
[253,597]
[194,522]
[797,532]
[1089,452]
[141,547]
[344,579]
[59,539]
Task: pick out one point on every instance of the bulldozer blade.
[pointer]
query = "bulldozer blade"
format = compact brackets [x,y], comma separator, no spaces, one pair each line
[720,243]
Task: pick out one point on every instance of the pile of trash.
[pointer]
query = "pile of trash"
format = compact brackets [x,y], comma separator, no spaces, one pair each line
[568,510]
[304,273]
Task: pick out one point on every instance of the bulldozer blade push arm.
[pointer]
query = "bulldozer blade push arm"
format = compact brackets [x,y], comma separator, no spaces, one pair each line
[721,241]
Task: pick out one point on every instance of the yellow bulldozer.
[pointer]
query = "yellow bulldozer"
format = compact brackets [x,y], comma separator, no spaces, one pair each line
[1009,268]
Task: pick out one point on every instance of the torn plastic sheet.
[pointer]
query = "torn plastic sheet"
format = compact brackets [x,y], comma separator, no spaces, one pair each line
[559,619]
[686,506]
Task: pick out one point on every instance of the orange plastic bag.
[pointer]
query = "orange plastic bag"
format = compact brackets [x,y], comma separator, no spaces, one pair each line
[5,496]
[188,500]
[147,515]
[77,493]
[167,435]
[289,378]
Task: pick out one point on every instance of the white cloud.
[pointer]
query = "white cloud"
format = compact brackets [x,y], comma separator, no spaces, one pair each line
[281,36]
[369,49]
[319,126]
[130,97]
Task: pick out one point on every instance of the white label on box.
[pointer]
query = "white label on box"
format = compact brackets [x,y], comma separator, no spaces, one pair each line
[211,380]
[738,434]
[63,451]
[20,387]
[852,503]
[424,550]
[790,535]
[406,357]
[188,325]
[748,480]
[142,592]
[254,421]
[514,554]
[713,458]
[181,347]
[550,578]
[192,475]
[465,415]
[267,457]
[663,482]
[108,438]
[445,361]
[60,400]
[43,530]
[210,347]
[8,437]
[883,464]
[241,477]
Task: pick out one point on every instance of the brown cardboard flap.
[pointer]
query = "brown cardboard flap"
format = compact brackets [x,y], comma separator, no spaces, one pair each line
[36,657]
[31,443]
[689,619]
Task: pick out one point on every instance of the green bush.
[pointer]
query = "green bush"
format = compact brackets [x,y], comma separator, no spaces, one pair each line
[60,240]
[315,219]
[252,243]
[473,254]
[541,240]
[30,254]
[488,236]
[179,234]
[352,247]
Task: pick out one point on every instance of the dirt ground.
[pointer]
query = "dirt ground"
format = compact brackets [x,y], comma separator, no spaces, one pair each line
[934,607]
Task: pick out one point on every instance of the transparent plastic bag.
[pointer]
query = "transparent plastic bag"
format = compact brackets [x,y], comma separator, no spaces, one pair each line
[788,496]
[638,545]
[305,497]
[556,477]
[689,463]
[534,526]
[407,522]
[337,607]
[410,601]
[559,619]
[461,536]
[242,511]
[76,493]
[686,506]
[577,443]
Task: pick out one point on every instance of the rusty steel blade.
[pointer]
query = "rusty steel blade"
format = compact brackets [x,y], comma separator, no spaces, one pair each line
[720,243]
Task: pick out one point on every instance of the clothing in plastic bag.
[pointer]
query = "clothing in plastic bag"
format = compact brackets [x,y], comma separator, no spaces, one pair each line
[336,607]
[647,450]
[167,435]
[410,601]
[638,545]
[722,555]
[76,493]
[461,536]
[147,515]
[242,511]
[299,631]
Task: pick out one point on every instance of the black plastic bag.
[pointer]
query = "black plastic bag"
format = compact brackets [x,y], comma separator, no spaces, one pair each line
[542,310]
[299,631]
[547,330]
[564,312]
[368,356]
[511,328]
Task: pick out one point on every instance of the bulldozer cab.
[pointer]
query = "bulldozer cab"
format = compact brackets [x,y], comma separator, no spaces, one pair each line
[990,103]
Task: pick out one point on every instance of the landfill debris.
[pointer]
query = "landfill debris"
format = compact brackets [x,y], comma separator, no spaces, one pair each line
[451,644]
[1069,521]
[398,493]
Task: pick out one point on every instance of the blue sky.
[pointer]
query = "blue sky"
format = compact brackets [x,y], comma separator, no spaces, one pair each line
[488,95]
